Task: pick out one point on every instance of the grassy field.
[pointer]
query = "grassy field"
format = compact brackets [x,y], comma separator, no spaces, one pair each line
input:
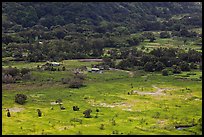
[157,103]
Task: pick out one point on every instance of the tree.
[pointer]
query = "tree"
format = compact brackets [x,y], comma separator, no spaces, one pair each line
[75,83]
[165,72]
[25,71]
[184,66]
[108,61]
[152,39]
[150,36]
[12,71]
[176,69]
[159,66]
[193,65]
[20,98]
[87,113]
[149,66]
[133,41]
[165,35]
[39,113]
[75,108]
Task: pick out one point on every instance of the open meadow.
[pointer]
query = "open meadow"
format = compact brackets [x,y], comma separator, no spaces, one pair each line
[121,103]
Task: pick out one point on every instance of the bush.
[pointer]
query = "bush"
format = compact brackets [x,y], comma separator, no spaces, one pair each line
[6,78]
[75,83]
[20,98]
[165,35]
[75,108]
[176,69]
[87,113]
[26,76]
[80,76]
[102,127]
[165,72]
[149,66]
[184,66]
[159,66]
[12,71]
[25,71]
[65,80]
[193,66]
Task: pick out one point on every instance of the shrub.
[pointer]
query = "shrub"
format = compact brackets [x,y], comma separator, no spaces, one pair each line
[12,71]
[26,76]
[102,127]
[176,69]
[193,66]
[75,83]
[76,120]
[97,110]
[149,66]
[165,35]
[75,108]
[87,113]
[25,71]
[80,76]
[184,66]
[6,78]
[159,66]
[63,68]
[165,72]
[58,100]
[20,98]
[65,80]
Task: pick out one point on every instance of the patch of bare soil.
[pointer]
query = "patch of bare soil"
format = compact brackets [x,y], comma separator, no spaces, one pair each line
[54,103]
[90,60]
[159,91]
[16,109]
[131,74]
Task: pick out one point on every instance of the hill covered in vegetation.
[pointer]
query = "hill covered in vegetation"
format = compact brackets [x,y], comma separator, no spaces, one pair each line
[40,31]
[100,16]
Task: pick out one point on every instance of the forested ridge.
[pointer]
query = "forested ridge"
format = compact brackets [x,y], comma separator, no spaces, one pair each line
[40,31]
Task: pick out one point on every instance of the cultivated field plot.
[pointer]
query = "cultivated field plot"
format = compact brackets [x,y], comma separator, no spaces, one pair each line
[145,104]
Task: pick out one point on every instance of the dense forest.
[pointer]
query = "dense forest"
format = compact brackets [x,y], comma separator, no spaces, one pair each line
[37,31]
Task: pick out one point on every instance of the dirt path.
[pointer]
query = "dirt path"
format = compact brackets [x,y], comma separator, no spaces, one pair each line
[159,91]
[131,74]
[16,109]
[90,60]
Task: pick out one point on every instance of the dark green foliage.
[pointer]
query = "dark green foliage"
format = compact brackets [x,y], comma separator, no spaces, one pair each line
[80,76]
[20,98]
[25,71]
[193,66]
[76,120]
[6,78]
[133,41]
[184,66]
[165,72]
[165,35]
[39,112]
[75,108]
[58,101]
[87,113]
[8,113]
[75,83]
[159,66]
[12,71]
[108,62]
[149,66]
[176,69]
[63,68]
[97,110]
[102,127]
